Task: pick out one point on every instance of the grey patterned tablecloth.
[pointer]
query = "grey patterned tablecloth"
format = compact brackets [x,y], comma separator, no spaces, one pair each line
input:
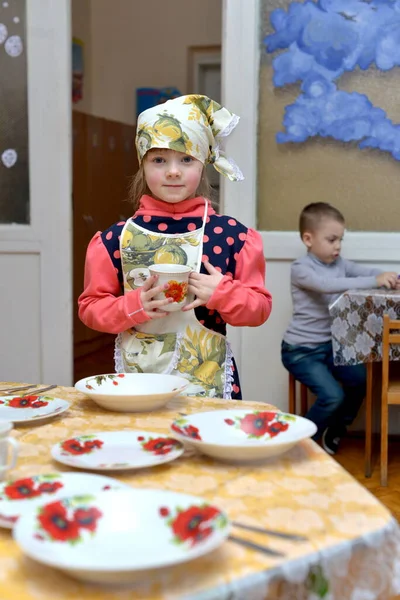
[357,323]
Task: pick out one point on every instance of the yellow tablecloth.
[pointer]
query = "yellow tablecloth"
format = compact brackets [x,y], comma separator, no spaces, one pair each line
[353,552]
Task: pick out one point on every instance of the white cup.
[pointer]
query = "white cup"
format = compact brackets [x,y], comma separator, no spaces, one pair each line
[177,278]
[8,449]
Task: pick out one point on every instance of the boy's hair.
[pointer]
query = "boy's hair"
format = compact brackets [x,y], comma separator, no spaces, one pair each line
[138,187]
[312,215]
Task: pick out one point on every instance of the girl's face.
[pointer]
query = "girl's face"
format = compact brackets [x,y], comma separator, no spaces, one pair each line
[172,176]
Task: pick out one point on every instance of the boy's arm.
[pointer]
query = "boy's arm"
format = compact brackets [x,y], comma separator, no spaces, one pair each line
[101,305]
[305,277]
[244,301]
[354,269]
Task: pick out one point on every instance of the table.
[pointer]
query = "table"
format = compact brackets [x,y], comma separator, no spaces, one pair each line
[353,550]
[357,323]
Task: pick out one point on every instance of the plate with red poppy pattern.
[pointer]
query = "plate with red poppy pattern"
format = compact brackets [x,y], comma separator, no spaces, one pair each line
[20,495]
[242,435]
[29,407]
[117,450]
[120,536]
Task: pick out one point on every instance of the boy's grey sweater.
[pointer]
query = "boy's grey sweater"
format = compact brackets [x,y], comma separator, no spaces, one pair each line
[315,285]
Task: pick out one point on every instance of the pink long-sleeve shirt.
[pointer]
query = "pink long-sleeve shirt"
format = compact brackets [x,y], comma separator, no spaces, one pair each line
[240,299]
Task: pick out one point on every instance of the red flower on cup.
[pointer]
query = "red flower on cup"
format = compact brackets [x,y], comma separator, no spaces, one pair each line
[229,421]
[121,375]
[160,445]
[195,523]
[164,511]
[49,487]
[74,446]
[87,517]
[257,424]
[54,520]
[21,489]
[177,291]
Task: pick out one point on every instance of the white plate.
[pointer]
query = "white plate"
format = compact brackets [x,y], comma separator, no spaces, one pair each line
[18,496]
[132,392]
[117,450]
[118,536]
[242,435]
[30,407]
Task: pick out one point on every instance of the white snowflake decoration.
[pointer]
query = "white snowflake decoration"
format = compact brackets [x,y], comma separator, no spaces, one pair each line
[9,158]
[14,46]
[3,33]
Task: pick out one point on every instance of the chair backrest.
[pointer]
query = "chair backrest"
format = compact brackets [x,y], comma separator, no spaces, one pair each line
[388,338]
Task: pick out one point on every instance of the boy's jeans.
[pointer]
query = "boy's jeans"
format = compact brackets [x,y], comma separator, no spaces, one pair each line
[336,405]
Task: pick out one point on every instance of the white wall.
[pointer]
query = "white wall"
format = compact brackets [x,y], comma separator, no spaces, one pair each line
[131,44]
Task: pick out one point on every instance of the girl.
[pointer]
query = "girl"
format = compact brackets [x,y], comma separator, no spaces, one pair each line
[174,222]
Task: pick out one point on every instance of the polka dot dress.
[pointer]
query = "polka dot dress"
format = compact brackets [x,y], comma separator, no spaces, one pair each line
[224,238]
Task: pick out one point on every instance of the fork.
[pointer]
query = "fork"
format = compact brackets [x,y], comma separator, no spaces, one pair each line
[257,547]
[280,534]
[16,389]
[32,391]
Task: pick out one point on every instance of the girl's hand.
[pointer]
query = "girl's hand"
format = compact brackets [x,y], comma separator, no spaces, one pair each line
[147,293]
[203,286]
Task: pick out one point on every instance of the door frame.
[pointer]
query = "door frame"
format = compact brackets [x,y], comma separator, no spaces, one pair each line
[49,233]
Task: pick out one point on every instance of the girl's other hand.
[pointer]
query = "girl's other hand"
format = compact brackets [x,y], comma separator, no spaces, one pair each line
[153,308]
[203,286]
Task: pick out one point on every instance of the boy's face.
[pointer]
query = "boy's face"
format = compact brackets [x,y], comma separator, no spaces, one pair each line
[325,241]
[172,176]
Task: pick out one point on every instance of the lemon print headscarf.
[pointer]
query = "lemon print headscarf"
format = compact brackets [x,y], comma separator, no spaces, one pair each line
[191,124]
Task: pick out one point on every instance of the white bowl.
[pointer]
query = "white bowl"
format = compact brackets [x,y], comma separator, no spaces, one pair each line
[121,536]
[132,392]
[242,435]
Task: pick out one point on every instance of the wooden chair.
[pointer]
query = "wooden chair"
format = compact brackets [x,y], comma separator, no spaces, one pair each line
[390,389]
[292,396]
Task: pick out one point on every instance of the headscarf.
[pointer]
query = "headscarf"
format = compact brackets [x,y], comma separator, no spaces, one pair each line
[192,124]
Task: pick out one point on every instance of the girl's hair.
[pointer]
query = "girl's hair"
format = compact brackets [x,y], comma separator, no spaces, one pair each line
[138,187]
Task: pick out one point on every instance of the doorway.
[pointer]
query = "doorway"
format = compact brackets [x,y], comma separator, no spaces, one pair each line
[104,116]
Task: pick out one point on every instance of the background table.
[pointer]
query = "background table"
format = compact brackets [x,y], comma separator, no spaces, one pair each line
[357,324]
[354,544]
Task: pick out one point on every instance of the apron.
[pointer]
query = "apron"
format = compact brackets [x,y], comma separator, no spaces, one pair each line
[178,344]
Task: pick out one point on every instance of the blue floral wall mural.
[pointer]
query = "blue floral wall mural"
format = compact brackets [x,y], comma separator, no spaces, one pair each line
[320,41]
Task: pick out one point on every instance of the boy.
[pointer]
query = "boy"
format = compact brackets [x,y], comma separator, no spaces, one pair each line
[317,279]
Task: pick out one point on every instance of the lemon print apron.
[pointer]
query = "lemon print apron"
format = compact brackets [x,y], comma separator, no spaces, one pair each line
[178,344]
